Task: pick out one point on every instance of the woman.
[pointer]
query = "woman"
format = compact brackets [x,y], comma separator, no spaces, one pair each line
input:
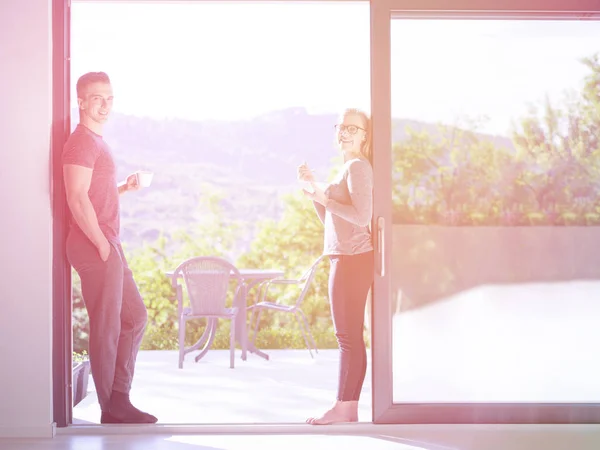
[346,207]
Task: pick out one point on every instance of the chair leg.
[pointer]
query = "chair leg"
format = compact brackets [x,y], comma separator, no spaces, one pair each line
[206,339]
[181,342]
[232,342]
[256,326]
[304,334]
[312,339]
[252,318]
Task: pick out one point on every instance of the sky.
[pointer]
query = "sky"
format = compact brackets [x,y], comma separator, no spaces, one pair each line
[232,61]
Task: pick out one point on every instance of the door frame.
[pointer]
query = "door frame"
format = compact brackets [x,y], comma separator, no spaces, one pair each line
[384,410]
[62,339]
[381,14]
[62,310]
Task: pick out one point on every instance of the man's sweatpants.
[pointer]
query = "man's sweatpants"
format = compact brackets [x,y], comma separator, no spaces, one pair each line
[116,312]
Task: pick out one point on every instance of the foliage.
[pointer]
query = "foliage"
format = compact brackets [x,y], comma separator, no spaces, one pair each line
[550,177]
[291,244]
[80,356]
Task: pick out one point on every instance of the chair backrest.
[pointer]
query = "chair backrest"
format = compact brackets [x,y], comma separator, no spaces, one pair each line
[308,272]
[207,281]
[308,277]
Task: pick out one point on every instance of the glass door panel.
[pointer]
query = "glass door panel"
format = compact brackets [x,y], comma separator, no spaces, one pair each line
[495,137]
[487,155]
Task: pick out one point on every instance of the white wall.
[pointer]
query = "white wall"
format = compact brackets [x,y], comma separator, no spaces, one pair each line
[25,219]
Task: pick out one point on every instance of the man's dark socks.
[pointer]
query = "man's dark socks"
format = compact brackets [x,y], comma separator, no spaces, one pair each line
[122,411]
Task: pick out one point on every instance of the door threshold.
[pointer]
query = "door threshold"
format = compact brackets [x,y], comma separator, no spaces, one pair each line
[228,428]
[422,436]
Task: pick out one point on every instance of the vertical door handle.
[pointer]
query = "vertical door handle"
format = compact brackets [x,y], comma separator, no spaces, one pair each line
[381,245]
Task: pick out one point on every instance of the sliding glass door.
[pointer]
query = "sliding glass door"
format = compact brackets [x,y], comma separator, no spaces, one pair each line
[226,124]
[486,126]
[487,156]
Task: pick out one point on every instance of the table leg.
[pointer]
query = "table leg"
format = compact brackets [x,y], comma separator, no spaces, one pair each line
[257,352]
[206,339]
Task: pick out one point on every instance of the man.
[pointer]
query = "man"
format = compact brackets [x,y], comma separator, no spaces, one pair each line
[115,308]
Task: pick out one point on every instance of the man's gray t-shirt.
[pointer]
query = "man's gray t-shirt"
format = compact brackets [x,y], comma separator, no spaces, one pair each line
[349,210]
[88,149]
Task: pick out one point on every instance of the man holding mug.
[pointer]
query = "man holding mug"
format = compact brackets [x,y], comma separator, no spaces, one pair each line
[115,308]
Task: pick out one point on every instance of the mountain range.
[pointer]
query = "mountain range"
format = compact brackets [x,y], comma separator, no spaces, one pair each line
[250,164]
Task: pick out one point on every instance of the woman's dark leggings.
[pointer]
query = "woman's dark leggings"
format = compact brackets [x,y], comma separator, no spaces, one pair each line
[350,279]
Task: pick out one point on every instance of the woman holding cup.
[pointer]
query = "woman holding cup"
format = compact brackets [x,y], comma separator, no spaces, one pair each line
[345,207]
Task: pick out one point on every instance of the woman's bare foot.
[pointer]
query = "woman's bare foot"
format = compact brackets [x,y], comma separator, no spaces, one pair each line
[341,412]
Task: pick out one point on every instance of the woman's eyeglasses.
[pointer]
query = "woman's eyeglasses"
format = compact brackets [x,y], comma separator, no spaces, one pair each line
[352,129]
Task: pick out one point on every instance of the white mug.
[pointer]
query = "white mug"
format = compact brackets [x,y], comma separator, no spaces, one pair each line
[144,178]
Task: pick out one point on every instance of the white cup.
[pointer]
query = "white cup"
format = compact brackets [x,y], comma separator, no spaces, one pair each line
[144,178]
[308,187]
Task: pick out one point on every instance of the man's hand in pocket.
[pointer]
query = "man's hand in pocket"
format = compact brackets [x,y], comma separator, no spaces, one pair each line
[104,250]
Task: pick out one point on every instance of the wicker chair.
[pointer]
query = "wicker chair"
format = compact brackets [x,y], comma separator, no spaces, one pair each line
[207,281]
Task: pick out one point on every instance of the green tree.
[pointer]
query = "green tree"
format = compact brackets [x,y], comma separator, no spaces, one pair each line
[551,177]
[560,150]
[452,177]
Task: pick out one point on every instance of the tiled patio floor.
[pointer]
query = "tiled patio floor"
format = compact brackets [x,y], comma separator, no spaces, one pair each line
[286,389]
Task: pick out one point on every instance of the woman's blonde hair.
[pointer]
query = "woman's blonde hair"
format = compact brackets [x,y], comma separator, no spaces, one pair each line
[366,148]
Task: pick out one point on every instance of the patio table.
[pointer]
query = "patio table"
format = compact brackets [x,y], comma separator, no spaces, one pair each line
[249,278]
